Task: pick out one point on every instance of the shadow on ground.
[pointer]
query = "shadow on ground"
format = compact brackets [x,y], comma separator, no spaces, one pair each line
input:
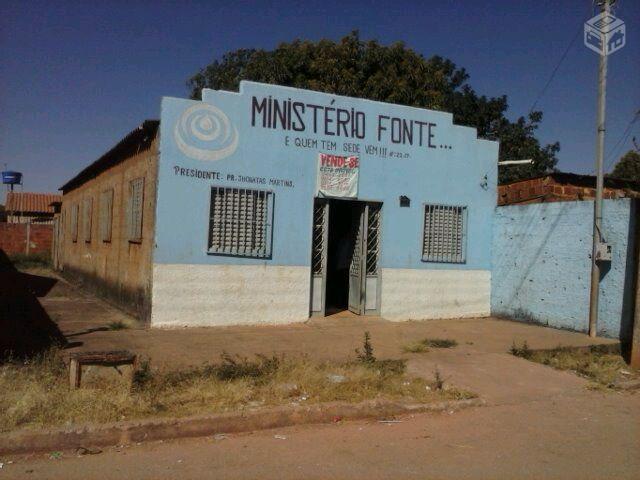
[25,327]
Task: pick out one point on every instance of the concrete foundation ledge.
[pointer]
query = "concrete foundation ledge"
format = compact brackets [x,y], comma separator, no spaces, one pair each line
[122,433]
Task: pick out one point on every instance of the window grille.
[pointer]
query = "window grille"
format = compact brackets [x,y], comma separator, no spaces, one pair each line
[106,214]
[444,234]
[74,222]
[136,196]
[87,208]
[240,222]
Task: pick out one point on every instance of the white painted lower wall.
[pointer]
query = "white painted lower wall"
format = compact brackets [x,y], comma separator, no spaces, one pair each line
[214,295]
[217,295]
[414,294]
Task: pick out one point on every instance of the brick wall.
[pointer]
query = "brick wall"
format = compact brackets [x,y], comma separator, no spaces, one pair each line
[13,238]
[546,189]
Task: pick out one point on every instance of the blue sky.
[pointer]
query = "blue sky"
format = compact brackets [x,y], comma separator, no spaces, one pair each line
[75,77]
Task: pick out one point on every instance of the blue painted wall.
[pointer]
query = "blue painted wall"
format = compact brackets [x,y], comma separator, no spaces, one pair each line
[542,266]
[451,166]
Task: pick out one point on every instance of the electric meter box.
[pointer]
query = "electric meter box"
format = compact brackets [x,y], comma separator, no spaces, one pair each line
[603,252]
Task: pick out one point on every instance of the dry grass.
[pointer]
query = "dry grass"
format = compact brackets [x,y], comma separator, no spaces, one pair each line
[37,393]
[118,325]
[600,365]
[35,260]
[428,343]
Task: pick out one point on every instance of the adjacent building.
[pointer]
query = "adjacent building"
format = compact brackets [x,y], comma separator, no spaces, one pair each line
[30,207]
[104,238]
[275,204]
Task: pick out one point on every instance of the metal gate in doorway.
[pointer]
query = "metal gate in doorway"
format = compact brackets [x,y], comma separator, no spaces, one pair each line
[364,272]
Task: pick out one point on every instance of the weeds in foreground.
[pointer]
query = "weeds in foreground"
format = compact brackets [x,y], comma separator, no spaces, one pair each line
[366,356]
[438,382]
[142,376]
[596,363]
[22,261]
[36,393]
[118,325]
[425,345]
[384,367]
[524,351]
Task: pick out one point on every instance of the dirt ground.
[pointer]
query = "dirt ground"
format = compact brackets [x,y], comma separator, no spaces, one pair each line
[84,321]
[479,363]
[538,422]
[583,436]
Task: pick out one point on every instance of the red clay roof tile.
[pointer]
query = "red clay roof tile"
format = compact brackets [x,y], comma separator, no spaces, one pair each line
[31,202]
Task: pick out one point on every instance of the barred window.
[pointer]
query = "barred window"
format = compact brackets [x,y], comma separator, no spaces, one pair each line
[106,214]
[444,234]
[136,197]
[74,222]
[87,208]
[240,222]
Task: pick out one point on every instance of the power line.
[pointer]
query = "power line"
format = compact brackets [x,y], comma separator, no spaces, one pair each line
[555,70]
[593,9]
[621,141]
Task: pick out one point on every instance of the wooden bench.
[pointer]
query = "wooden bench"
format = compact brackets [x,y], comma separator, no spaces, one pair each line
[112,358]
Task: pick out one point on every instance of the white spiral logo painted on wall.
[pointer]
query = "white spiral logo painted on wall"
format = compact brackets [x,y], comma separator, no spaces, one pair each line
[204,132]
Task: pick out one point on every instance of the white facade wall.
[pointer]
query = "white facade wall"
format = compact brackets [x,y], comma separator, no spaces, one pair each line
[216,295]
[415,294]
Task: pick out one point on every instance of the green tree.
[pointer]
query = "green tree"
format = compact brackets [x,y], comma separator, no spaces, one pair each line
[628,167]
[395,74]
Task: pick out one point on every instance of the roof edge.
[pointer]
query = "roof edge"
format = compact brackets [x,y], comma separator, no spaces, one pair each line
[141,136]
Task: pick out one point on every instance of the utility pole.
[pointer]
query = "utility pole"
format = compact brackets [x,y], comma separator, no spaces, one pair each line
[597,216]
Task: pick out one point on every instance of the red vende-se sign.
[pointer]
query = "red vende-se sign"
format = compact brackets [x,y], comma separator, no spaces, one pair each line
[337,176]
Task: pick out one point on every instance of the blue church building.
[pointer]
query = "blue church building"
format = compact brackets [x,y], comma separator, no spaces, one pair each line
[275,204]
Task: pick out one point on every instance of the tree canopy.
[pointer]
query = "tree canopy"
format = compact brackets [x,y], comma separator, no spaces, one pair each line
[394,74]
[628,167]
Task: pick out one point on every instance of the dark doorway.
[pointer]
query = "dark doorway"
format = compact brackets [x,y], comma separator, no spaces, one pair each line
[343,221]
